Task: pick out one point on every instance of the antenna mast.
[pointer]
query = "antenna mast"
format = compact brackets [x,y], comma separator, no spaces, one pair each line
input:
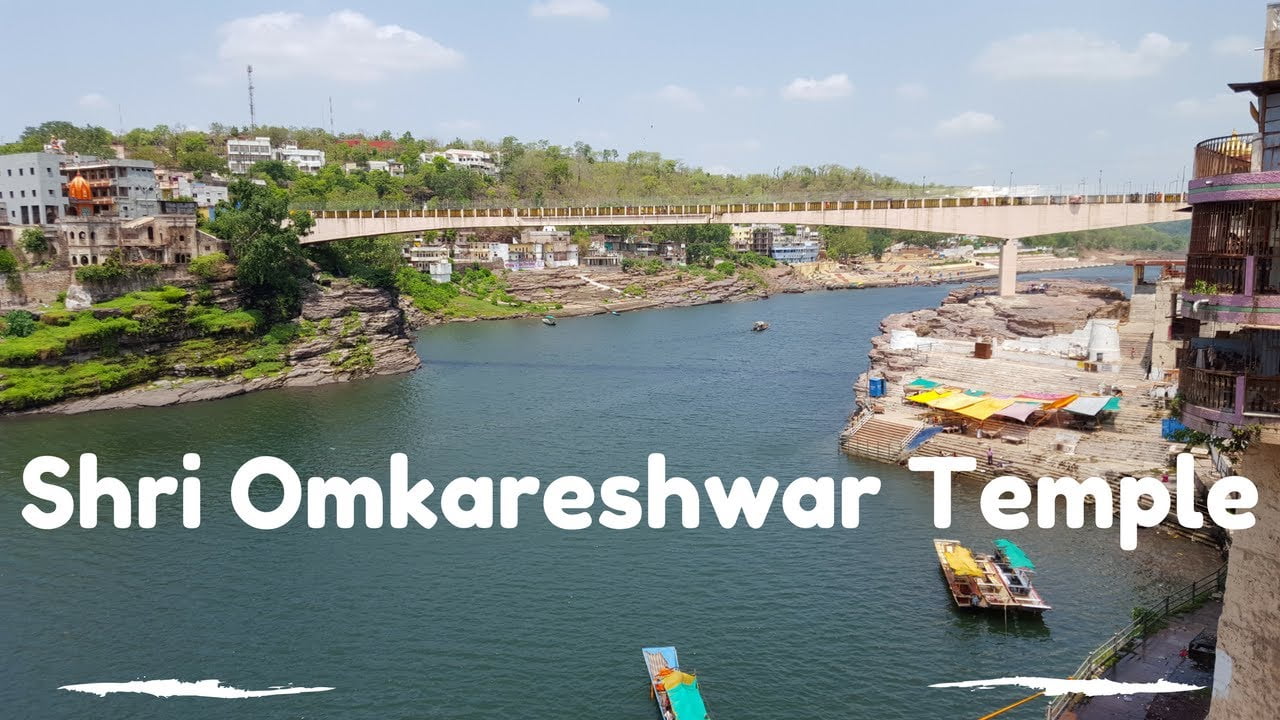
[253,121]
[330,114]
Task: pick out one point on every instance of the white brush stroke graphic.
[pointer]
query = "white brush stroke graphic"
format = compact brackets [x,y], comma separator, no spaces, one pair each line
[179,688]
[1061,686]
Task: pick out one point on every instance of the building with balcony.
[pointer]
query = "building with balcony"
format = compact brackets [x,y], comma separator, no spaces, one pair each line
[1229,372]
[242,153]
[307,161]
[791,251]
[121,188]
[168,237]
[477,160]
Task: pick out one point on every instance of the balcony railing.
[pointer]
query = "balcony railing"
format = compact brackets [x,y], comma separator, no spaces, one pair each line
[1224,155]
[1224,274]
[1212,389]
[1222,390]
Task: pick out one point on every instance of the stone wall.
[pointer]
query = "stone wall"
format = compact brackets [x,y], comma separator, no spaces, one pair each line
[41,287]
[1246,677]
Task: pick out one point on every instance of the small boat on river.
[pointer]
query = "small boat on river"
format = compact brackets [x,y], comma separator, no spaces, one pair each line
[760,326]
[548,320]
[985,582]
[675,691]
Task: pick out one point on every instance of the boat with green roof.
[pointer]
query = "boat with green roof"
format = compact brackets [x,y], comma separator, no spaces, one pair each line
[675,691]
[1015,570]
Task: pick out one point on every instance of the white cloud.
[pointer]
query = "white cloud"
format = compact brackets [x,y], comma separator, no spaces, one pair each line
[93,100]
[969,122]
[911,91]
[1073,54]
[345,46]
[828,88]
[679,97]
[589,9]
[1238,45]
[1220,105]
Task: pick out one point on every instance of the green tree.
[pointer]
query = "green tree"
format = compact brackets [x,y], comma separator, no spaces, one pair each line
[201,162]
[264,237]
[33,241]
[371,261]
[8,263]
[278,171]
[845,242]
[19,323]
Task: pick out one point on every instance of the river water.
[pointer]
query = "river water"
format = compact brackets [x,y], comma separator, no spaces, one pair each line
[537,622]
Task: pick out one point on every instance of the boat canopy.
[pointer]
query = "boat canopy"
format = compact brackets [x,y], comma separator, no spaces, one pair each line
[1015,555]
[929,396]
[985,408]
[961,562]
[685,698]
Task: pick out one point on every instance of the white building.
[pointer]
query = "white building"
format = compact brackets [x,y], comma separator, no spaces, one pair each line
[31,187]
[242,153]
[394,168]
[430,259]
[308,161]
[474,159]
[790,250]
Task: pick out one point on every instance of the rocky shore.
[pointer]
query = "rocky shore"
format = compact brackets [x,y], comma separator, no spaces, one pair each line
[355,332]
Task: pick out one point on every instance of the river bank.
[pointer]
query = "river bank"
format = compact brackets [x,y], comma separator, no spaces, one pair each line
[344,332]
[1033,346]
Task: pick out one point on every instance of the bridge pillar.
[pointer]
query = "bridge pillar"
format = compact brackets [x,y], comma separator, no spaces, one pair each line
[1009,268]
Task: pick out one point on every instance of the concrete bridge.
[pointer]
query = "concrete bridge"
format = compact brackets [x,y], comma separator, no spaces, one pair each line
[998,217]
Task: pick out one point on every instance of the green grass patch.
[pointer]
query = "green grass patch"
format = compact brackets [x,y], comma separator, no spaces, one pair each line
[216,321]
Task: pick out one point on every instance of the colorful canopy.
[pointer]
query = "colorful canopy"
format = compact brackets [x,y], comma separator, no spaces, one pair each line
[961,562]
[1060,402]
[1019,411]
[954,402]
[922,383]
[686,700]
[1113,405]
[984,409]
[929,396]
[975,393]
[1089,405]
[1043,396]
[1014,554]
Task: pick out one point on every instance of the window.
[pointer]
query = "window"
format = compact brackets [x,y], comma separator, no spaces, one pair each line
[19,172]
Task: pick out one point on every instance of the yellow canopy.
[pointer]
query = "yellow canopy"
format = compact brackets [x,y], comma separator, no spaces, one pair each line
[929,396]
[954,402]
[962,563]
[676,678]
[985,409]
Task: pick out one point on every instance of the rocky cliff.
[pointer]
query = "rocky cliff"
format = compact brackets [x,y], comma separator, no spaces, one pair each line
[347,332]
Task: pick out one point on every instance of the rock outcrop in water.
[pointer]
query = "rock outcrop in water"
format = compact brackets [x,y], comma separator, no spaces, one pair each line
[352,332]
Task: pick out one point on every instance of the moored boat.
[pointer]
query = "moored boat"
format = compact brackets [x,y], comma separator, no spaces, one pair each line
[675,691]
[979,581]
[548,320]
[1015,570]
[760,326]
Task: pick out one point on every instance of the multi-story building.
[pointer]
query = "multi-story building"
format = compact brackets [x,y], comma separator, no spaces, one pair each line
[308,161]
[790,250]
[1229,375]
[169,236]
[431,259]
[477,160]
[174,184]
[123,188]
[740,236]
[31,187]
[242,153]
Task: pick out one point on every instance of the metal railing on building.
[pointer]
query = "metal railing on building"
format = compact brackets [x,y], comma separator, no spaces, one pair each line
[1224,155]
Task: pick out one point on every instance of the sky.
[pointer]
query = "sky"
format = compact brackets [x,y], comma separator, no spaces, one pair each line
[1056,94]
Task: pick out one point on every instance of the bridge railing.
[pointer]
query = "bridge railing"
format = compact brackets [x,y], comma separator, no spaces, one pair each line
[1224,155]
[649,209]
